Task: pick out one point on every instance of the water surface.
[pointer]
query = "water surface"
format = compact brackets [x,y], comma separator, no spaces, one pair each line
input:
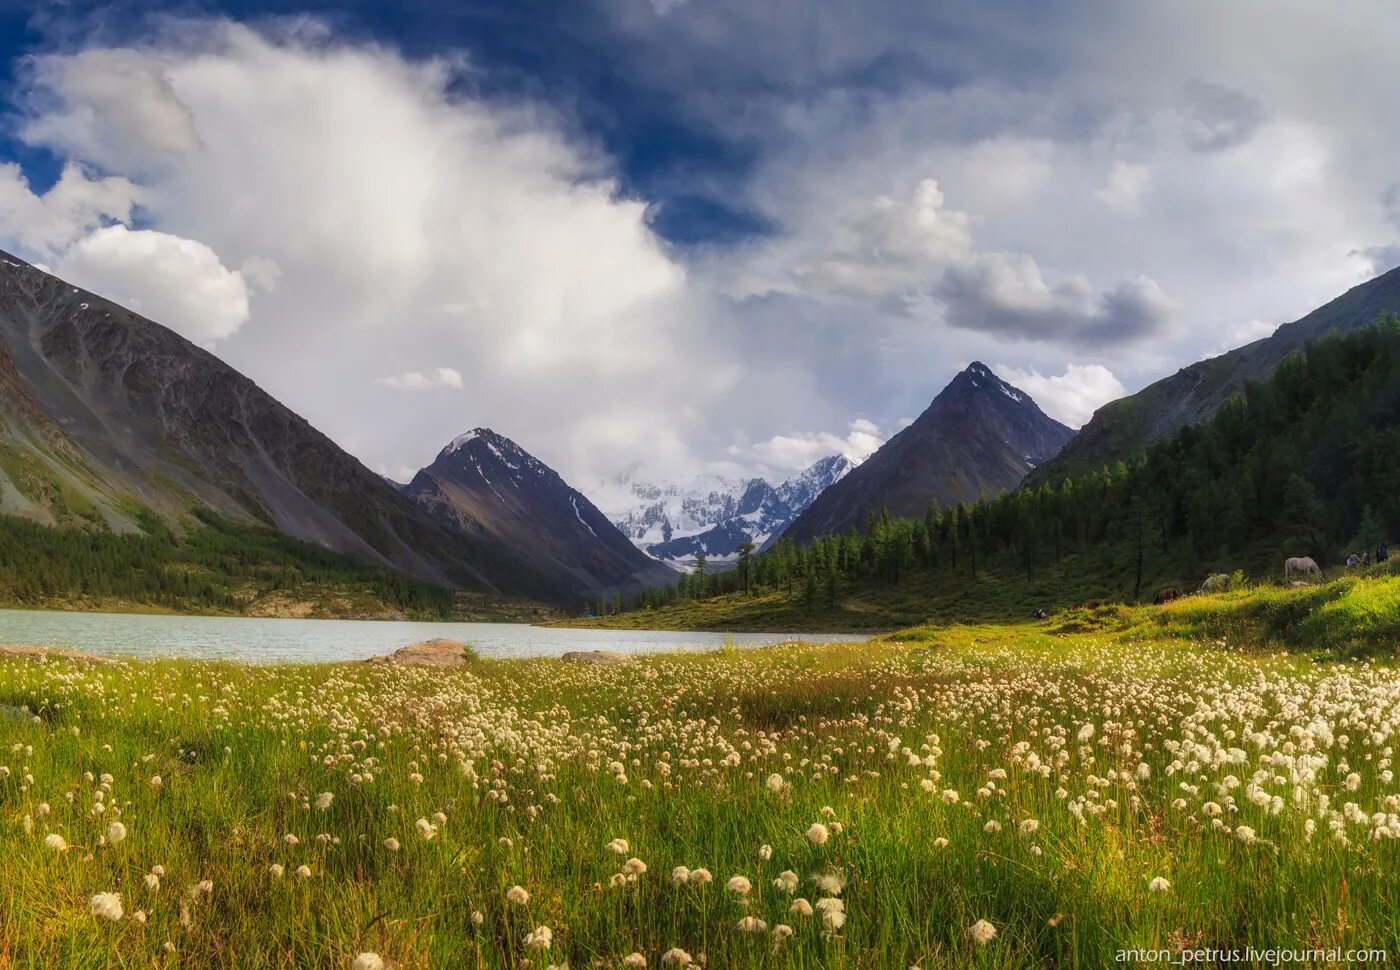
[277,640]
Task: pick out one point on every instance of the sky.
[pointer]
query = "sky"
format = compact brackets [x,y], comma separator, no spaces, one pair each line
[682,236]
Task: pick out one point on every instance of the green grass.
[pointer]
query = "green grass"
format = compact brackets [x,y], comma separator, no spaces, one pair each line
[523,758]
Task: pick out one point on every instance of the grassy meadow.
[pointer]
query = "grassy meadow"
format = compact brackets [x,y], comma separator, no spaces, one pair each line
[996,795]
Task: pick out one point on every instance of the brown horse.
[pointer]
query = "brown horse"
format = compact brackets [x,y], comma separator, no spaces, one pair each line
[1166,595]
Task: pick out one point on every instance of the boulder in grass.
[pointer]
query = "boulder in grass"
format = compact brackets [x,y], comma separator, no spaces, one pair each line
[437,652]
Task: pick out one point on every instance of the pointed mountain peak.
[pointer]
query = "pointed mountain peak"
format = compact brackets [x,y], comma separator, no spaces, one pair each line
[977,376]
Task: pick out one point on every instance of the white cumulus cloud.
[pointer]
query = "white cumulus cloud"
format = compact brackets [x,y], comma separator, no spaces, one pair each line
[415,380]
[178,282]
[1071,397]
[796,451]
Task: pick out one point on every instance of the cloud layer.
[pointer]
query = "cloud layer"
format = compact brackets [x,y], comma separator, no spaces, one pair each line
[1094,201]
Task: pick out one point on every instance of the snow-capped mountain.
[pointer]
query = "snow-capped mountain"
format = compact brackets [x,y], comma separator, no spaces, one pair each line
[484,484]
[676,521]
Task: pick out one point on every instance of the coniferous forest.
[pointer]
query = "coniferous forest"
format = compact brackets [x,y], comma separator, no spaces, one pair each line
[211,564]
[1304,463]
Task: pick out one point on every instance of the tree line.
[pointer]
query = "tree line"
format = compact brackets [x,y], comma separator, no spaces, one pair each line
[1305,462]
[211,563]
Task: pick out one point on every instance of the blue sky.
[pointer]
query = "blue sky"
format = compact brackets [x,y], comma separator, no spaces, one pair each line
[698,236]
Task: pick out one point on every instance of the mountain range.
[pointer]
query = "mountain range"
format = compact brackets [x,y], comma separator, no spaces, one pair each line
[106,416]
[677,521]
[979,436]
[1125,427]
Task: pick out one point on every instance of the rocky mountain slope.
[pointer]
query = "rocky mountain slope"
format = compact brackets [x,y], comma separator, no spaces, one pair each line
[980,436]
[676,522]
[105,414]
[484,484]
[1125,427]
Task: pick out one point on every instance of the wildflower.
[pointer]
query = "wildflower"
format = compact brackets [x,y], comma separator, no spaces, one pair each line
[55,841]
[983,932]
[1245,834]
[679,876]
[1085,733]
[634,961]
[1159,885]
[304,872]
[831,883]
[774,782]
[752,924]
[323,800]
[940,842]
[739,885]
[992,826]
[619,846]
[367,961]
[676,957]
[701,877]
[1028,827]
[540,938]
[156,781]
[204,886]
[392,844]
[291,839]
[426,829]
[786,882]
[517,895]
[152,880]
[949,796]
[276,869]
[116,832]
[765,852]
[801,907]
[106,906]
[780,932]
[818,834]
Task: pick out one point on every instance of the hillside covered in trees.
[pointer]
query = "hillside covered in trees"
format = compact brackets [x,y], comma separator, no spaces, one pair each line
[1306,462]
[211,565]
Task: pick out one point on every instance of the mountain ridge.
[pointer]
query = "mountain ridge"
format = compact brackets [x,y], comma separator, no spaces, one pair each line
[1123,428]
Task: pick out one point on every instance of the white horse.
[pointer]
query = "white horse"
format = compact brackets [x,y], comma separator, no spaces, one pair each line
[1216,583]
[1300,565]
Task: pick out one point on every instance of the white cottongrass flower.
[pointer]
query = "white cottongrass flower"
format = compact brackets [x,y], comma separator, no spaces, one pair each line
[540,938]
[276,869]
[634,961]
[304,872]
[152,880]
[801,907]
[1028,827]
[739,885]
[940,842]
[106,906]
[774,782]
[818,834]
[619,846]
[701,877]
[752,924]
[679,876]
[323,800]
[676,957]
[1159,885]
[426,829]
[949,796]
[392,844]
[992,826]
[786,882]
[983,932]
[367,961]
[831,883]
[291,839]
[116,832]
[55,841]
[765,852]
[634,867]
[517,895]
[1245,834]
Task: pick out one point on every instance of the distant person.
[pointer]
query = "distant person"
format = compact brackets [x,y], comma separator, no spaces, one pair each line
[1366,557]
[1353,561]
[1382,552]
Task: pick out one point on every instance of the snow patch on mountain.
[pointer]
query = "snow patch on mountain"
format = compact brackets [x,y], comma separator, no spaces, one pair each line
[710,514]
